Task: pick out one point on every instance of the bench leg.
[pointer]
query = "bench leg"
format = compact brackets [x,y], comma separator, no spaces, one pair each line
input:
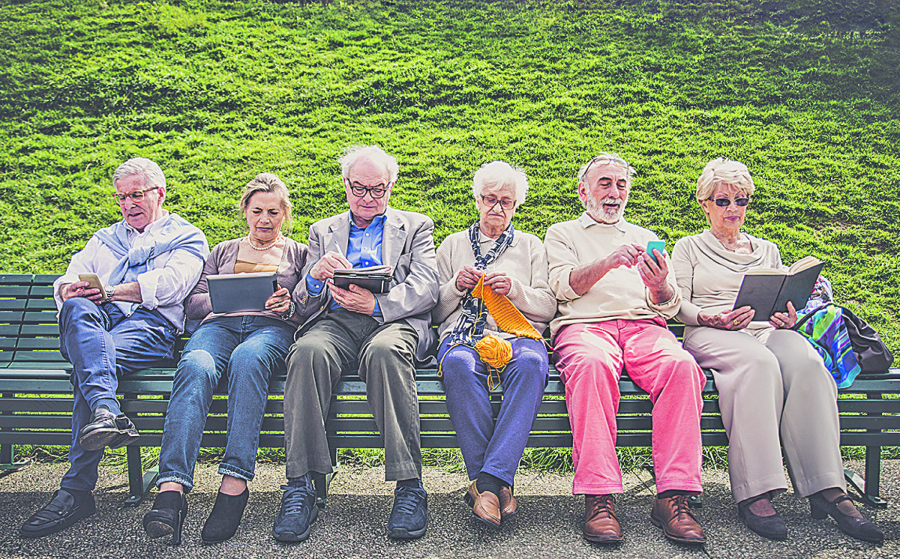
[870,487]
[139,483]
[323,482]
[7,459]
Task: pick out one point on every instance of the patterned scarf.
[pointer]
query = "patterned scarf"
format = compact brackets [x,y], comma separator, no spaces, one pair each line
[470,324]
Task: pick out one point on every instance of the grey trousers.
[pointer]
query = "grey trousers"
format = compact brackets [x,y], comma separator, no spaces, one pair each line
[385,356]
[774,393]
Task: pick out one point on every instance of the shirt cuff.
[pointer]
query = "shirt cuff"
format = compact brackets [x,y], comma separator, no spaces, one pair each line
[376,313]
[148,284]
[313,286]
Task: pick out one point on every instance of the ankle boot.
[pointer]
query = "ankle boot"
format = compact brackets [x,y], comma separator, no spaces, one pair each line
[225,517]
[167,516]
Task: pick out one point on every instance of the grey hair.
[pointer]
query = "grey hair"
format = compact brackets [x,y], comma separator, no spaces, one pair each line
[268,182]
[374,154]
[724,171]
[503,174]
[629,171]
[153,175]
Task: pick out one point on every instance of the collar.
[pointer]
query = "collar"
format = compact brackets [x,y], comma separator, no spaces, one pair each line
[378,222]
[586,221]
[151,226]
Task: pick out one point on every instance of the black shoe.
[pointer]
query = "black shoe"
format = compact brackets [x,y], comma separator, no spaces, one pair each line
[409,514]
[225,517]
[63,510]
[107,429]
[167,516]
[859,528]
[297,514]
[771,527]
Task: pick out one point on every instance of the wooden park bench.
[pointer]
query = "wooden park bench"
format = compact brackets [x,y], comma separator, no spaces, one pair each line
[36,402]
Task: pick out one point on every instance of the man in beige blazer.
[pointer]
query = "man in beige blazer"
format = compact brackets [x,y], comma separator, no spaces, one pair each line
[380,334]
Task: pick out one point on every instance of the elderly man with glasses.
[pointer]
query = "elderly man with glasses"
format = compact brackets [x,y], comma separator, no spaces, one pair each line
[614,298]
[147,264]
[383,334]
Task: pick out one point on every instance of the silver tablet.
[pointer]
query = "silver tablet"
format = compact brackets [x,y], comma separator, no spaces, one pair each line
[240,292]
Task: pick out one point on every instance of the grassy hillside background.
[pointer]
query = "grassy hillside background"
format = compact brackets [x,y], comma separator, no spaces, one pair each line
[806,93]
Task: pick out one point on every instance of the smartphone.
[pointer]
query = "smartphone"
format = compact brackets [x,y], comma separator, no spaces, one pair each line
[94,281]
[655,245]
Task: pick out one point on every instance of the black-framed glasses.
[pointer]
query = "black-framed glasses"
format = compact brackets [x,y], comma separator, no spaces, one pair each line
[725,202]
[506,203]
[135,195]
[377,191]
[604,161]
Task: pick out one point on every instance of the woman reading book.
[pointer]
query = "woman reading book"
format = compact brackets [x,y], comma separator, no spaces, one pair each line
[246,347]
[774,390]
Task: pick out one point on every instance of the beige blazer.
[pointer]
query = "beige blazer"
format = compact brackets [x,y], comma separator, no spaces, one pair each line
[408,247]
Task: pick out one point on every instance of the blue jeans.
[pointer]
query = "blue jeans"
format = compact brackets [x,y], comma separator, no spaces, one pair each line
[103,344]
[247,349]
[493,449]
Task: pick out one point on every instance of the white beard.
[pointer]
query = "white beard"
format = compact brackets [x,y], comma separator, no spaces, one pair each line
[598,212]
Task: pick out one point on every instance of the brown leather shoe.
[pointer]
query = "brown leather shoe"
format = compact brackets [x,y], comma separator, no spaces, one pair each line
[600,524]
[485,506]
[675,518]
[508,505]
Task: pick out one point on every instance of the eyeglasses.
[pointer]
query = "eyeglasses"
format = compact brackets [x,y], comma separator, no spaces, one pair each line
[725,202]
[603,162]
[377,191]
[505,203]
[135,195]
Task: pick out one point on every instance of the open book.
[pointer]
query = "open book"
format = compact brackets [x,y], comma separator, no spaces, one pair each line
[767,290]
[376,279]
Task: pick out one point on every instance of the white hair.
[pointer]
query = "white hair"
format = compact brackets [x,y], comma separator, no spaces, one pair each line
[374,154]
[153,175]
[503,174]
[629,174]
[724,171]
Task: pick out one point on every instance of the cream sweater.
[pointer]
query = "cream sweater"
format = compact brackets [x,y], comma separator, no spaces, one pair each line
[709,276]
[524,261]
[620,294]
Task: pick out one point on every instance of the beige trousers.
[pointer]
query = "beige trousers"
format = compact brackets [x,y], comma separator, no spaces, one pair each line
[774,393]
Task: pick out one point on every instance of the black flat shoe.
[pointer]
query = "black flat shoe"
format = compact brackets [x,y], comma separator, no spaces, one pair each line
[167,516]
[63,510]
[859,528]
[107,429]
[771,527]
[225,517]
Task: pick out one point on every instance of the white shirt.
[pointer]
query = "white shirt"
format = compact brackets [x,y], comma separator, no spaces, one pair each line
[168,279]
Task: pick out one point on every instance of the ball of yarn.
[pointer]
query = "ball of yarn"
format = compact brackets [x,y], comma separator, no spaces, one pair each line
[494,351]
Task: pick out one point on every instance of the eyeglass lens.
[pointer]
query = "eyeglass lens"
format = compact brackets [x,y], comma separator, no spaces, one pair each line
[725,202]
[492,200]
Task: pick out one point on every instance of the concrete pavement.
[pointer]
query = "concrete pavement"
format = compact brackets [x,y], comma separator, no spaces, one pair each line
[353,524]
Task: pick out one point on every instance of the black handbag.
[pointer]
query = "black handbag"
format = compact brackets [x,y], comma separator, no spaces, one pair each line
[871,353]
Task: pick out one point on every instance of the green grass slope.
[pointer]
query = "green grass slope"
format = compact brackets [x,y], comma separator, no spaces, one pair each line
[805,93]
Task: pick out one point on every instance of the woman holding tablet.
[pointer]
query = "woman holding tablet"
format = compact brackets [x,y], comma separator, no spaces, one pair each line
[244,346]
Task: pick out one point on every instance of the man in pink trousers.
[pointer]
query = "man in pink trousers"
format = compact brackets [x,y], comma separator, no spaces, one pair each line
[613,302]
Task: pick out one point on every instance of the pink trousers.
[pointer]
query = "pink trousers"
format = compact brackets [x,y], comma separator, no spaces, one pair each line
[590,358]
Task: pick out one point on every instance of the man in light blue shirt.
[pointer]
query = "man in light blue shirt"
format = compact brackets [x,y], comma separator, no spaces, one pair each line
[380,334]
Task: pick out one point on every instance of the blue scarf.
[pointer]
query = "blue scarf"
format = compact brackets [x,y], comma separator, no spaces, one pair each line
[175,234]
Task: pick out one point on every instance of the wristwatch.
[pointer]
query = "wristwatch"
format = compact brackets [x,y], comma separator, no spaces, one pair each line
[109,290]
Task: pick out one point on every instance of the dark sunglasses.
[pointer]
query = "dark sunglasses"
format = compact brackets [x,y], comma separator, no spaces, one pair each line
[725,202]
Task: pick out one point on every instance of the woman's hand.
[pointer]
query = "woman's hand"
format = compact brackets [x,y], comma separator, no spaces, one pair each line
[467,278]
[280,301]
[499,282]
[738,319]
[784,320]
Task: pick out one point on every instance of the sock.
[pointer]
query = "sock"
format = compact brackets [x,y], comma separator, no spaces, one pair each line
[109,403]
[672,492]
[488,482]
[303,481]
[415,483]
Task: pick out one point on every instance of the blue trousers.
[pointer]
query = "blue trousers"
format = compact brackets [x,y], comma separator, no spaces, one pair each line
[486,447]
[247,350]
[103,344]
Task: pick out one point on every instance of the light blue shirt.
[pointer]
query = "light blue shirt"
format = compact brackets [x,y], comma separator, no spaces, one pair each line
[363,251]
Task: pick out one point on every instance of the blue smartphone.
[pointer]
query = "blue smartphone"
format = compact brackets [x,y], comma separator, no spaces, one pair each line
[655,245]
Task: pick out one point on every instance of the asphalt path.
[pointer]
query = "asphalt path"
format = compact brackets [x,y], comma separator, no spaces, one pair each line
[353,525]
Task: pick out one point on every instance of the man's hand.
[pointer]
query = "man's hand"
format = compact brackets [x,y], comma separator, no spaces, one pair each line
[737,319]
[80,289]
[654,277]
[325,267]
[499,282]
[280,301]
[625,255]
[467,278]
[357,299]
